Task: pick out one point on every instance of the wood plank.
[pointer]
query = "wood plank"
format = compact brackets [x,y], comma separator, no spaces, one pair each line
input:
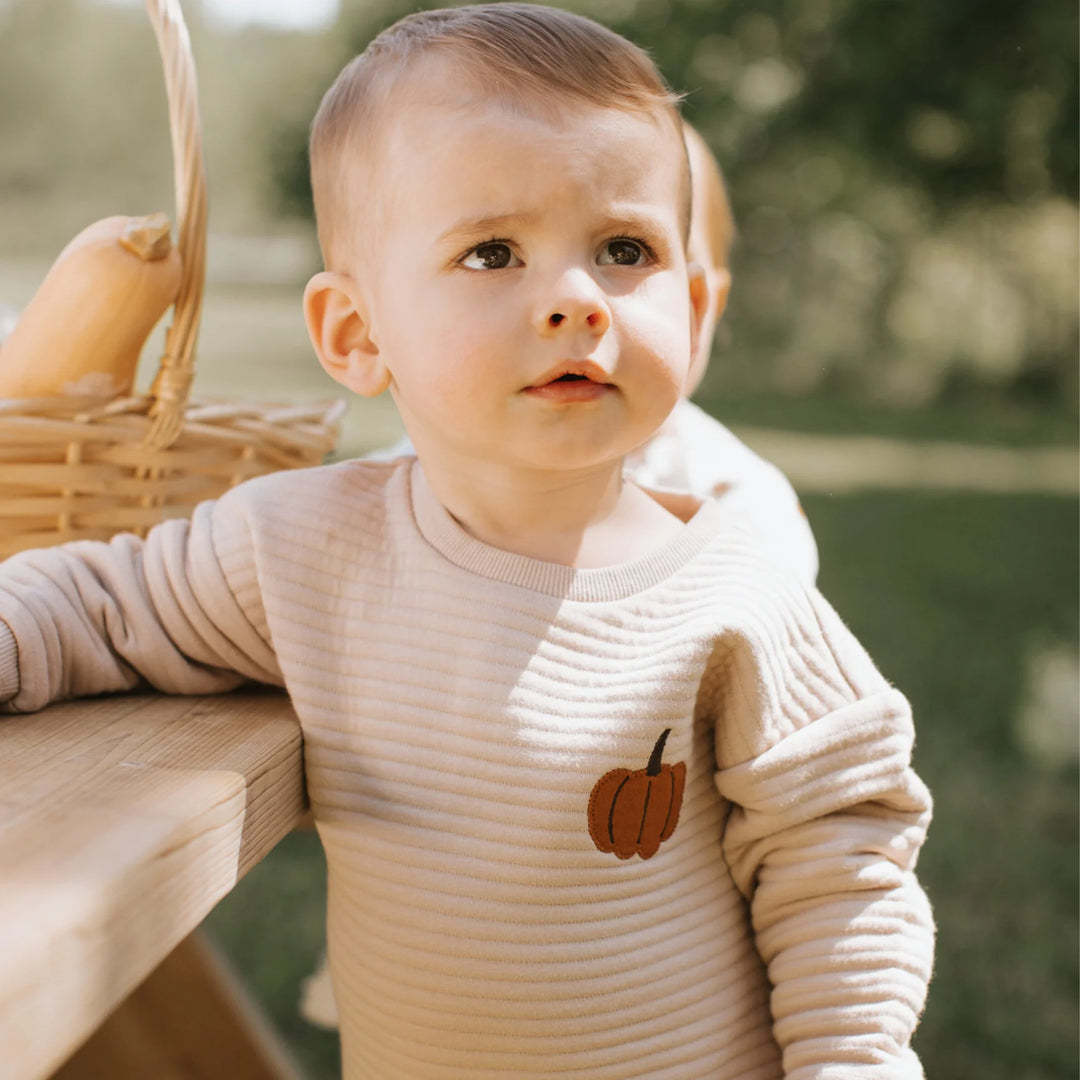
[190,1020]
[123,820]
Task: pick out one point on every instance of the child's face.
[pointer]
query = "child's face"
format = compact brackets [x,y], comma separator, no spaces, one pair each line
[529,298]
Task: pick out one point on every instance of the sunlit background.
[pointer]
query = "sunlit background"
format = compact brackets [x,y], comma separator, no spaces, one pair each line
[902,340]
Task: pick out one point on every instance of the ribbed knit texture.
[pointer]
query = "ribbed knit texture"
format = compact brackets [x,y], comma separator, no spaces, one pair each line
[460,703]
[9,663]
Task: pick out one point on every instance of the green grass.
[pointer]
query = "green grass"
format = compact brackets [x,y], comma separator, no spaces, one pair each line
[949,593]
[272,928]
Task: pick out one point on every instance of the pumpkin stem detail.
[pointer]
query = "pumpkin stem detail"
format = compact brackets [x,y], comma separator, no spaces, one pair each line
[653,768]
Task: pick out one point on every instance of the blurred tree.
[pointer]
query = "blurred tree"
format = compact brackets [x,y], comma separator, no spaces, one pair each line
[962,97]
[965,97]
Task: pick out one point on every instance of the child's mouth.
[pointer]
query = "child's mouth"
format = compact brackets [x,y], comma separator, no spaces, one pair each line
[571,387]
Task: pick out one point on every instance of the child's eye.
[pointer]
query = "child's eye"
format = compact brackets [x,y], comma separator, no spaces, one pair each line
[491,255]
[622,251]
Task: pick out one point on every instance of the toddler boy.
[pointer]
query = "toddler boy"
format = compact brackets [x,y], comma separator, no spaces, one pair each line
[691,452]
[604,792]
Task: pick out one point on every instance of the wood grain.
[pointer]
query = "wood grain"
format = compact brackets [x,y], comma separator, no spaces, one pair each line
[123,820]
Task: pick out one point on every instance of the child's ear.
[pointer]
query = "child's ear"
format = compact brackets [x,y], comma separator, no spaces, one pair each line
[340,332]
[699,304]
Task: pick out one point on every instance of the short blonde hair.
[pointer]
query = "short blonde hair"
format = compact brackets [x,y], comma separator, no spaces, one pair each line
[527,54]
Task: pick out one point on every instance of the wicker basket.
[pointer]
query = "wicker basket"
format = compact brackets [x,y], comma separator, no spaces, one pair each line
[81,468]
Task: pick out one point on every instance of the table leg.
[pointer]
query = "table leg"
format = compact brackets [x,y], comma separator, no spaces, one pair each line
[190,1020]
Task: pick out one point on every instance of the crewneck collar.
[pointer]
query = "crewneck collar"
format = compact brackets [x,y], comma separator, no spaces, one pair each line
[442,531]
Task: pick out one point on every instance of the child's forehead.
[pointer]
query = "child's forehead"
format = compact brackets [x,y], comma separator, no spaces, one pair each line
[443,80]
[444,98]
[493,120]
[489,149]
[440,118]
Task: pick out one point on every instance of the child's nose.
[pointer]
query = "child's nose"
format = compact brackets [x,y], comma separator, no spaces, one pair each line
[577,303]
[595,319]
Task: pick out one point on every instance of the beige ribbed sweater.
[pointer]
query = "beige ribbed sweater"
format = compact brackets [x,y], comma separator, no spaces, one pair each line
[464,711]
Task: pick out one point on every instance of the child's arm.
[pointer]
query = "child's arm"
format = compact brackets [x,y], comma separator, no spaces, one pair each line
[826,824]
[89,618]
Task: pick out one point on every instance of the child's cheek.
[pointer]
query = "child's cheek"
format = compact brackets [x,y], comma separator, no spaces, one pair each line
[662,318]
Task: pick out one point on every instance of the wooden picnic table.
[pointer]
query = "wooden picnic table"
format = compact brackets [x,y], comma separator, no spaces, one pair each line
[123,820]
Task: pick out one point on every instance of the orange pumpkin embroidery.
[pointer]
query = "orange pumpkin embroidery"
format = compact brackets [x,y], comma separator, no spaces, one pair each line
[633,811]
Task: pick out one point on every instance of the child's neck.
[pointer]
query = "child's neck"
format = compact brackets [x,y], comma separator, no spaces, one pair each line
[585,519]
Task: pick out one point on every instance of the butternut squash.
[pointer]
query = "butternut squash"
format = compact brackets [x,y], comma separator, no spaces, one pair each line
[86,325]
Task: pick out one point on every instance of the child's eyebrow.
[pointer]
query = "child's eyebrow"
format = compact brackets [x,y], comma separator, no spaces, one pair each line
[628,219]
[488,224]
[634,221]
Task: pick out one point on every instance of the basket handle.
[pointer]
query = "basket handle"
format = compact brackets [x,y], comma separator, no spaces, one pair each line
[172,384]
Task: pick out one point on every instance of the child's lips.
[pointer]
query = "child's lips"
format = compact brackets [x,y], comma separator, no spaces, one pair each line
[571,382]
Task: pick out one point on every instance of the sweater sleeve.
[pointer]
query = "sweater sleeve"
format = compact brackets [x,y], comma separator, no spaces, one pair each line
[827,819]
[95,617]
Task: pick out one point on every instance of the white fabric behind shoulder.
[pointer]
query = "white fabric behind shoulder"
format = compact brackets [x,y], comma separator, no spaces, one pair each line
[694,452]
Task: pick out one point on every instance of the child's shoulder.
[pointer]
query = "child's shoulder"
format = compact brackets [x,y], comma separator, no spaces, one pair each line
[782,655]
[291,489]
[348,499]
